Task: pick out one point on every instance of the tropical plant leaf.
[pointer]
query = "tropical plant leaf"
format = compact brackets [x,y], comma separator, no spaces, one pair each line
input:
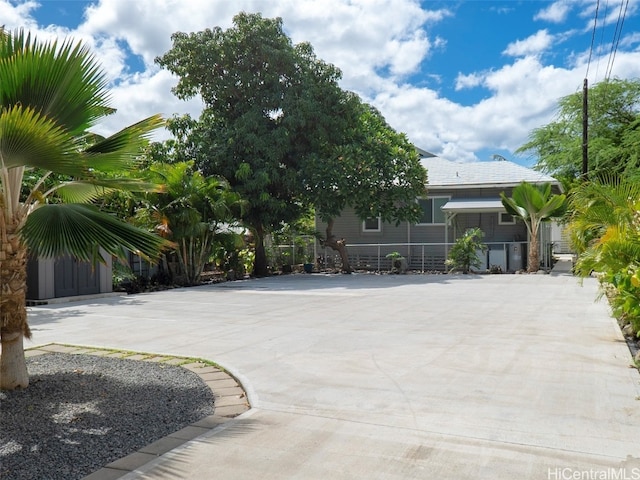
[81,230]
[513,208]
[30,139]
[534,204]
[62,81]
[79,192]
[122,149]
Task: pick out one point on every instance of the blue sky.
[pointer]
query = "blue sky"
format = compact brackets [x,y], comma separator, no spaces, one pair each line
[463,79]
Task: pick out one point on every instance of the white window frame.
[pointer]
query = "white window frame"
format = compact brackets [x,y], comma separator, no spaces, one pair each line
[502,222]
[372,230]
[433,211]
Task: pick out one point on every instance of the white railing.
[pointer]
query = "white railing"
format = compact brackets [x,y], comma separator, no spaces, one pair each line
[425,257]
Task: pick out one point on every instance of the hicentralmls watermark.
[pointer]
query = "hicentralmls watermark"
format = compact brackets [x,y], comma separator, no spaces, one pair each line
[568,473]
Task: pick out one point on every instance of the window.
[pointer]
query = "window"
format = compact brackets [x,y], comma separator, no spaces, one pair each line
[373,224]
[506,219]
[432,213]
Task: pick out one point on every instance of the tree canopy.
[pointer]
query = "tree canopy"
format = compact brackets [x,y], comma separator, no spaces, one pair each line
[370,168]
[268,105]
[613,133]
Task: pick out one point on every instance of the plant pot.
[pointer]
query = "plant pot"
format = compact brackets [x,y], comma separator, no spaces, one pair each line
[287,268]
[308,267]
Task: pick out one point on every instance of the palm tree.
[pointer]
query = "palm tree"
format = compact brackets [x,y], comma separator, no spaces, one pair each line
[534,204]
[605,231]
[50,95]
[192,211]
[605,225]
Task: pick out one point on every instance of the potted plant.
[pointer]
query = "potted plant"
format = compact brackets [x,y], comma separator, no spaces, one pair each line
[308,264]
[398,262]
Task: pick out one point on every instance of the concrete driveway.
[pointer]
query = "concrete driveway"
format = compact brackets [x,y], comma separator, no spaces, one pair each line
[398,377]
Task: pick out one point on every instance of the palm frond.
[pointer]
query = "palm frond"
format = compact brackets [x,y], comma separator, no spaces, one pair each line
[85,191]
[120,150]
[28,138]
[60,81]
[79,192]
[80,230]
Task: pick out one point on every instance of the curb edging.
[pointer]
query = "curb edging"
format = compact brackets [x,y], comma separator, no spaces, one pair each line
[230,401]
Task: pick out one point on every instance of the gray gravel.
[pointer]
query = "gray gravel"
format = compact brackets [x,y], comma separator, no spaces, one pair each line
[82,412]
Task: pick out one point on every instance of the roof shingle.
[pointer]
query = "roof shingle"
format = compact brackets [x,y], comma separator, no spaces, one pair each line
[446,173]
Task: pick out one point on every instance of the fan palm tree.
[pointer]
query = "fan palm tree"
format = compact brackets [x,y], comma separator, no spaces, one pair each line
[534,204]
[50,95]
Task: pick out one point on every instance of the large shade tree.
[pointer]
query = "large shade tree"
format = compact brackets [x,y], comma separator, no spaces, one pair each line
[534,204]
[50,95]
[269,104]
[370,168]
[613,133]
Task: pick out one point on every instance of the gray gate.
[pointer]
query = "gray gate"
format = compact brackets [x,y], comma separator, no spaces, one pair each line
[75,278]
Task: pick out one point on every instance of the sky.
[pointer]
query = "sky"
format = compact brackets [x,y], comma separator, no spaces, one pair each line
[465,80]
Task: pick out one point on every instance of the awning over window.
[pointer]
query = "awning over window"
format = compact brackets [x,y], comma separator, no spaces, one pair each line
[473,205]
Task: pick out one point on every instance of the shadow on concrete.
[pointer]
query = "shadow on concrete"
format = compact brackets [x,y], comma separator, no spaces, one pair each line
[355,281]
[179,463]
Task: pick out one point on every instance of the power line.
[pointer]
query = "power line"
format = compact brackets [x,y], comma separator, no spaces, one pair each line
[601,44]
[624,14]
[593,36]
[616,37]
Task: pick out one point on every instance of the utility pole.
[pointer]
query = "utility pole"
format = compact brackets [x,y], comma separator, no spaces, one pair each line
[585,130]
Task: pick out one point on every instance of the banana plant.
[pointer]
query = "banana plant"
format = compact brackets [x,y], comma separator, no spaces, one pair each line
[534,204]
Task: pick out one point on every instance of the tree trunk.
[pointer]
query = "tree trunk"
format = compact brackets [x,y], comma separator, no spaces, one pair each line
[534,254]
[13,366]
[339,245]
[260,267]
[13,311]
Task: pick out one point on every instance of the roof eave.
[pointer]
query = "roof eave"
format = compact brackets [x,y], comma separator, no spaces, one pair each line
[467,186]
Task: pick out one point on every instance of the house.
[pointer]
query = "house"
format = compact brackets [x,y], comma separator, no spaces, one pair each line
[460,195]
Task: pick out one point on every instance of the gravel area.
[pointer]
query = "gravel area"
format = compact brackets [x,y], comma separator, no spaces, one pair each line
[82,412]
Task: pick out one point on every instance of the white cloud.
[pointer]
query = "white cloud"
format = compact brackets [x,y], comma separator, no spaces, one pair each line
[630,39]
[145,94]
[13,16]
[378,44]
[468,81]
[615,12]
[533,45]
[555,13]
[503,120]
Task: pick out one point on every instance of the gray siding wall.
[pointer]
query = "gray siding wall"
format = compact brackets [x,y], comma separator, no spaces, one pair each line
[42,274]
[349,227]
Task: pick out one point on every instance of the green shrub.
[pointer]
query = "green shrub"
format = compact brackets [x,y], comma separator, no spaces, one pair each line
[463,255]
[625,298]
